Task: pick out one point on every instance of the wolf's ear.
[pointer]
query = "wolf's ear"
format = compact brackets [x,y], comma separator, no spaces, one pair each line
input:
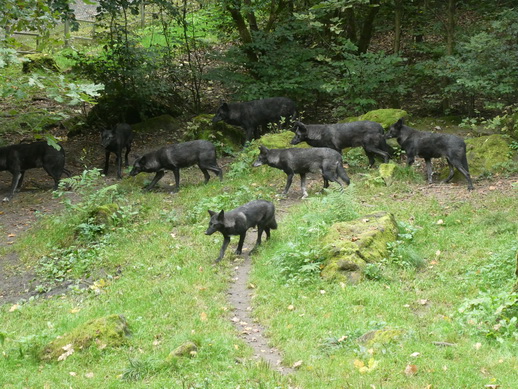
[399,123]
[302,128]
[221,215]
[263,149]
[211,213]
[224,107]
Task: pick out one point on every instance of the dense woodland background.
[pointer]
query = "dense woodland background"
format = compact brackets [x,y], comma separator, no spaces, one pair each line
[334,58]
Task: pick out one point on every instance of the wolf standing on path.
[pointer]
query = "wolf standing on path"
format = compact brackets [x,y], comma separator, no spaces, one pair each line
[260,213]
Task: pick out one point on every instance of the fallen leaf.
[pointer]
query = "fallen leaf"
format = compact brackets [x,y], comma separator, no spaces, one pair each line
[291,307]
[73,373]
[477,346]
[440,221]
[411,370]
[89,375]
[75,310]
[11,235]
[15,307]
[416,354]
[203,316]
[297,364]
[423,301]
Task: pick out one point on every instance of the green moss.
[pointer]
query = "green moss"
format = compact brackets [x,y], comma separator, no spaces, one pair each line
[385,117]
[349,246]
[188,349]
[108,331]
[201,127]
[485,154]
[380,337]
[164,122]
[279,140]
[39,61]
[103,214]
[387,171]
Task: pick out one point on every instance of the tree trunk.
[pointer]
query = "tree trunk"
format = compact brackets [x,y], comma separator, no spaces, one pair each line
[250,15]
[244,33]
[351,24]
[450,28]
[398,13]
[368,27]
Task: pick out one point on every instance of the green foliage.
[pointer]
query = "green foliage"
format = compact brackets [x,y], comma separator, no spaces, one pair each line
[493,314]
[401,253]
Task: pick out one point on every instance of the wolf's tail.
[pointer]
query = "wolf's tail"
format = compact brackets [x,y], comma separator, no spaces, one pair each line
[342,173]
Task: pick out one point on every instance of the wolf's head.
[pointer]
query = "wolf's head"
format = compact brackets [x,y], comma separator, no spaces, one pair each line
[263,156]
[216,222]
[107,137]
[301,133]
[395,129]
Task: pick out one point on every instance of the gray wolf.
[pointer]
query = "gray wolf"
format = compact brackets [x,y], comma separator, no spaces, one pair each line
[302,161]
[16,159]
[366,134]
[251,115]
[260,213]
[428,145]
[114,140]
[177,156]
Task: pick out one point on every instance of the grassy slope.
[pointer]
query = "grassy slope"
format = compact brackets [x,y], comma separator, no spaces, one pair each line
[170,292]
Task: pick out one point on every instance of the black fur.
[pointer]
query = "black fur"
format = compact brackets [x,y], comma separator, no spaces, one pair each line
[174,157]
[251,115]
[16,159]
[428,145]
[302,161]
[260,213]
[366,134]
[113,141]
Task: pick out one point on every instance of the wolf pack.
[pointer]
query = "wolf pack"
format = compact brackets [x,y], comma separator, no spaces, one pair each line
[324,157]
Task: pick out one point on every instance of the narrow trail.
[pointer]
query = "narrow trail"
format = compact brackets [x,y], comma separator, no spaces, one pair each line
[240,295]
[253,333]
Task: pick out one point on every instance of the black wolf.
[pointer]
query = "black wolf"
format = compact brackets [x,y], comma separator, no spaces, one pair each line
[174,157]
[113,141]
[366,134]
[16,159]
[251,115]
[260,213]
[429,145]
[302,161]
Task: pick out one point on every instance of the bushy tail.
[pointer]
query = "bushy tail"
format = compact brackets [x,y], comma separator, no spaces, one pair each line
[342,173]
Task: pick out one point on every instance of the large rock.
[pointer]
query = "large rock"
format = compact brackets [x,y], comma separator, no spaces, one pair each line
[165,123]
[39,61]
[201,127]
[108,331]
[350,246]
[485,154]
[385,117]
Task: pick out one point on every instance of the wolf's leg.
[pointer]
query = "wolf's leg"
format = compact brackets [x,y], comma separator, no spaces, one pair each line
[240,244]
[303,185]
[288,183]
[159,174]
[452,172]
[226,241]
[429,171]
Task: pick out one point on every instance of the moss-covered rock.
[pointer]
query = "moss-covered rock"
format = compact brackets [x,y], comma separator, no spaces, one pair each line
[385,117]
[164,122]
[188,349]
[279,140]
[380,337]
[350,246]
[40,61]
[485,154]
[201,127]
[104,214]
[108,331]
[387,171]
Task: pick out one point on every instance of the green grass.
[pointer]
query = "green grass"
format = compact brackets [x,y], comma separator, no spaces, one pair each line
[155,266]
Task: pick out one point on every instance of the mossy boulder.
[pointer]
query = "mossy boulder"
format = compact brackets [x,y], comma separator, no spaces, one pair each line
[387,171]
[485,154]
[279,140]
[188,349]
[109,331]
[380,337]
[165,123]
[350,246]
[104,214]
[201,127]
[40,61]
[385,117]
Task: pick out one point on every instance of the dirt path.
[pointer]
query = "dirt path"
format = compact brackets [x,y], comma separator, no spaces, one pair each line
[253,333]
